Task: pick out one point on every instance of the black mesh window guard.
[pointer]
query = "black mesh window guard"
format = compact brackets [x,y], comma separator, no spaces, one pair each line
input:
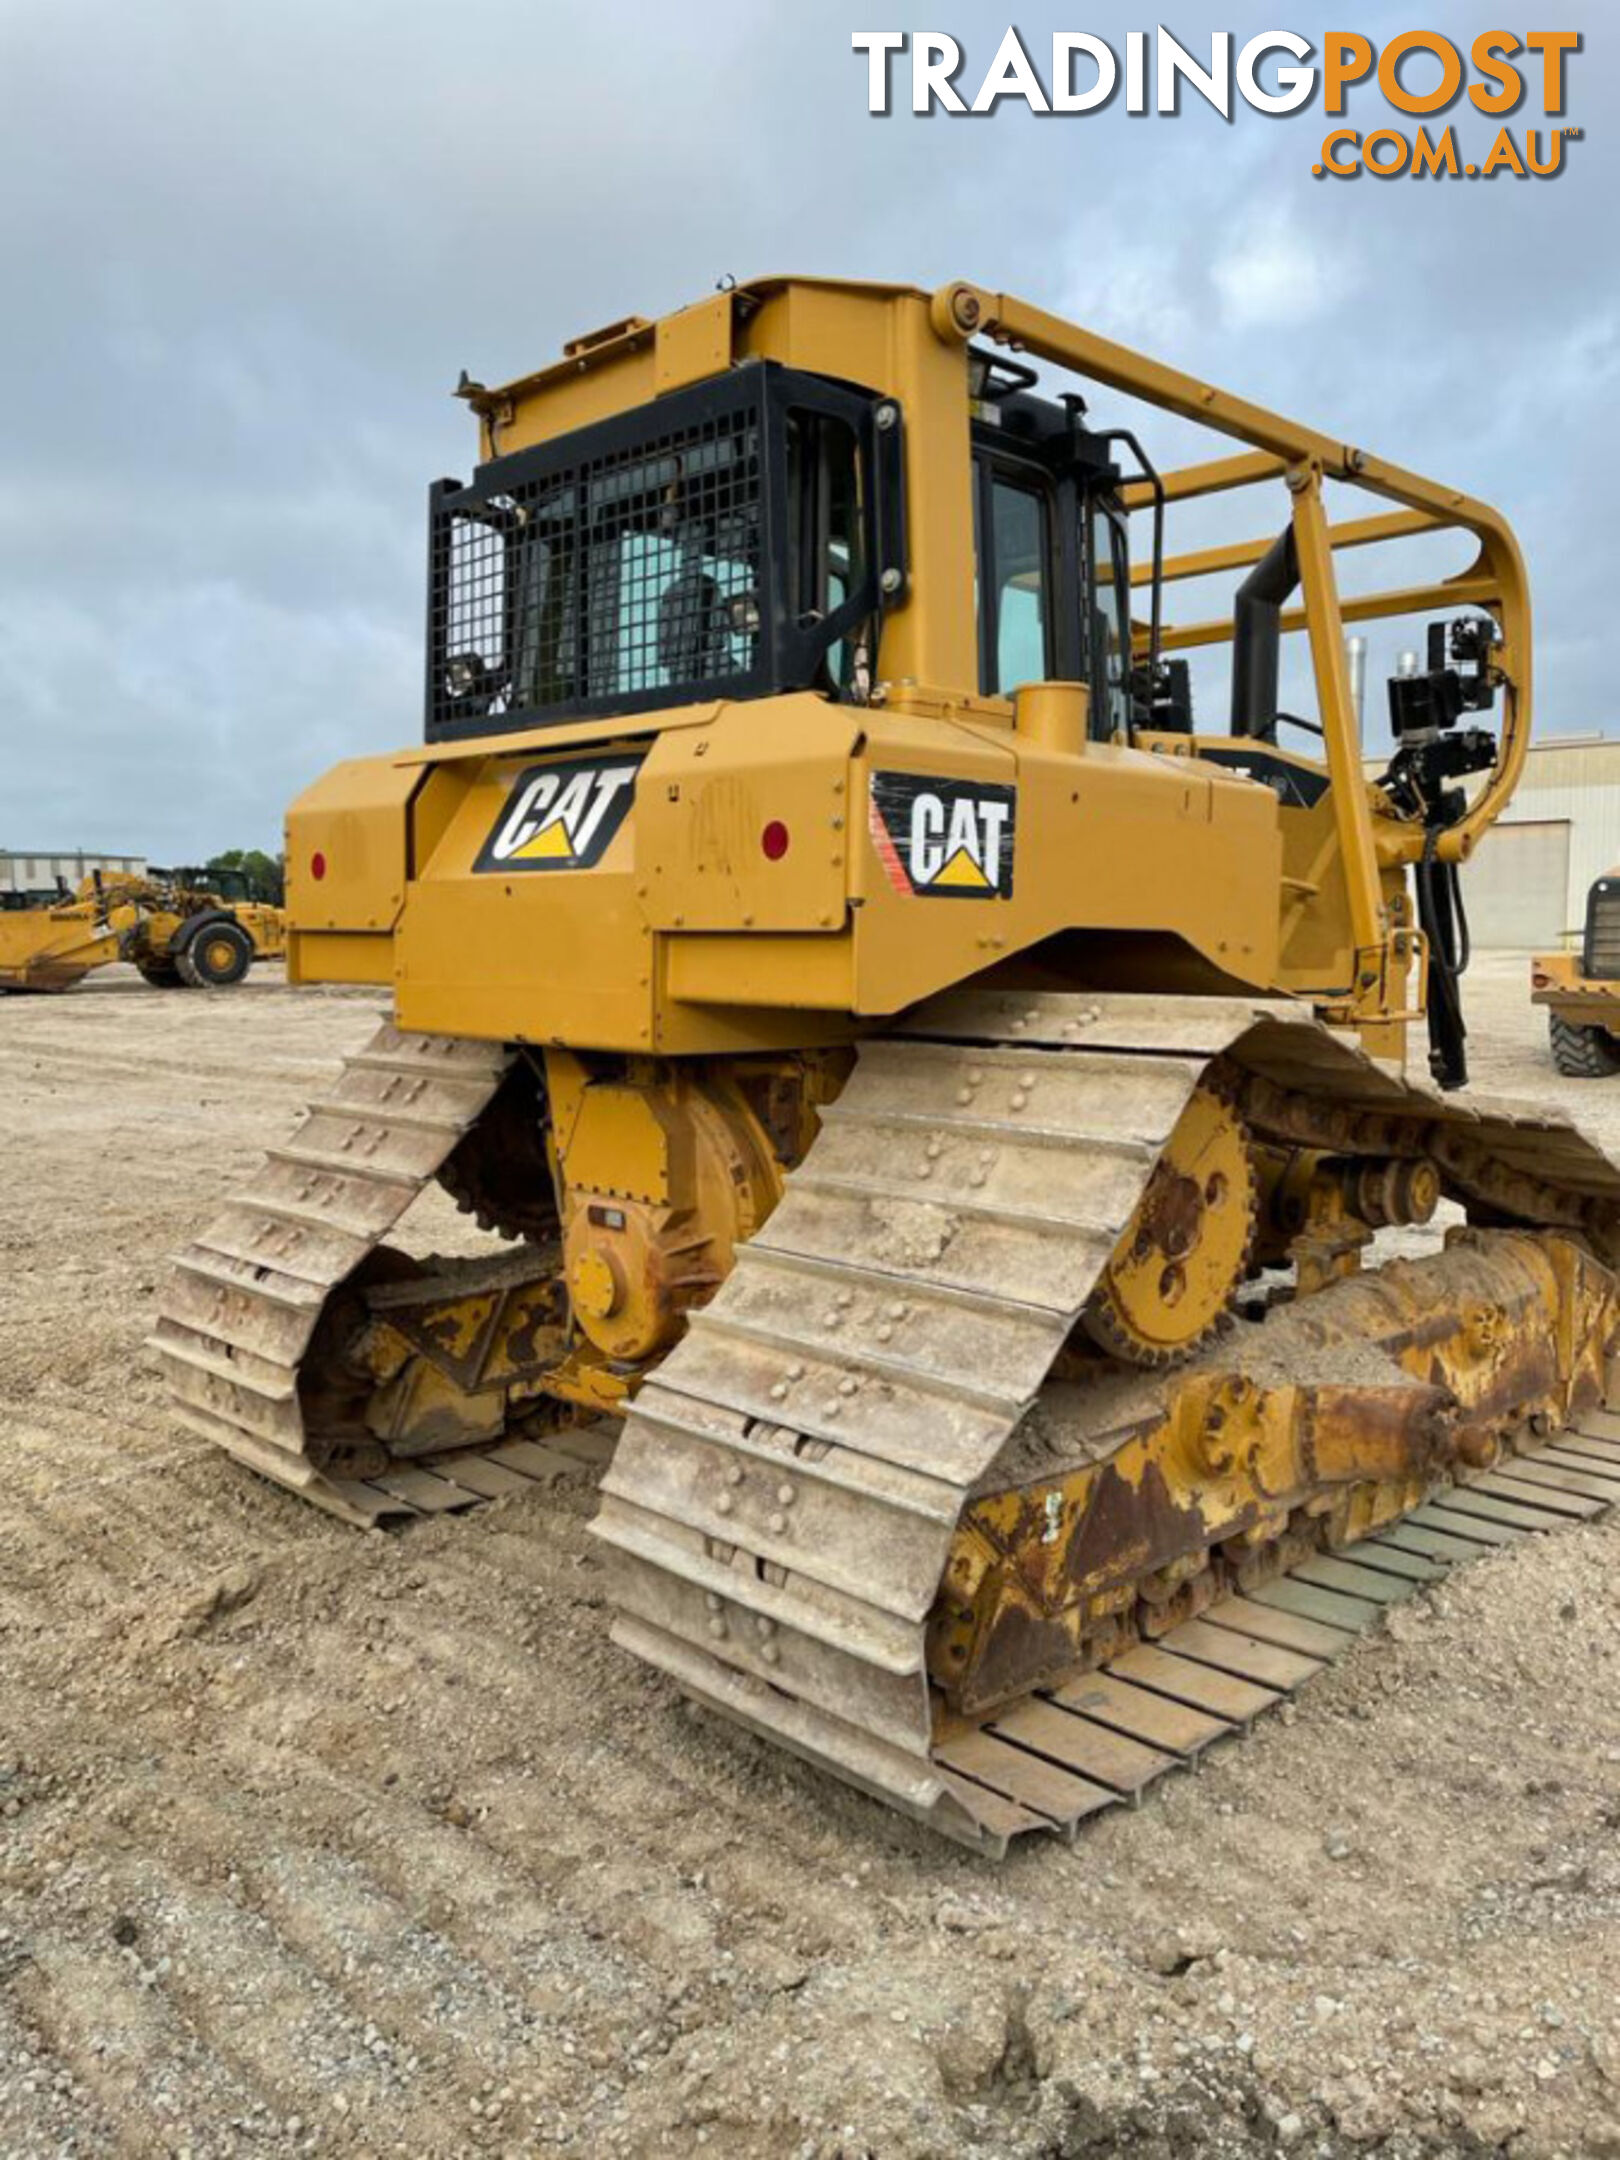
[655,559]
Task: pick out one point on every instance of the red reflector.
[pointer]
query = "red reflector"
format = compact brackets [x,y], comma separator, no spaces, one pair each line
[317,865]
[774,840]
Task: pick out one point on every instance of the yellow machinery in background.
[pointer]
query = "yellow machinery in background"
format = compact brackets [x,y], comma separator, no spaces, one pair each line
[1581,990]
[944,1099]
[197,928]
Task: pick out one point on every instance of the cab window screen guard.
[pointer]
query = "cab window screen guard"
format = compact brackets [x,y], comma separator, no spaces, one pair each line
[728,540]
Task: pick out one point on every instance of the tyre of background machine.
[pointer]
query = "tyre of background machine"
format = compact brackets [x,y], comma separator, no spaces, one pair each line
[1582,1053]
[215,955]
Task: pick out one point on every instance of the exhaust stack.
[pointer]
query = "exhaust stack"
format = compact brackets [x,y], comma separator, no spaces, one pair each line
[1355,653]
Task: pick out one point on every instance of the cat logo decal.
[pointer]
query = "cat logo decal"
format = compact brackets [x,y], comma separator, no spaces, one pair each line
[561,816]
[944,839]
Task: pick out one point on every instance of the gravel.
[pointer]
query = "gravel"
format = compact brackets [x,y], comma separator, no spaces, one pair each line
[314,1842]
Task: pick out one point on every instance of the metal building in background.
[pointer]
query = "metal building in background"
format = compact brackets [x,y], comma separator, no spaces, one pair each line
[38,873]
[1527,884]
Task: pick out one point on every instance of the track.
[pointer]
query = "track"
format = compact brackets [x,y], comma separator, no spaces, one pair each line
[784,1494]
[783,1497]
[247,1295]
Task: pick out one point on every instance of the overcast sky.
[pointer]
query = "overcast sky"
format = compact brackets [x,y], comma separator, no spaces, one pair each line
[246,250]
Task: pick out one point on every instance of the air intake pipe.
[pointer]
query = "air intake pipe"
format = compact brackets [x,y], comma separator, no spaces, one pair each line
[1257,638]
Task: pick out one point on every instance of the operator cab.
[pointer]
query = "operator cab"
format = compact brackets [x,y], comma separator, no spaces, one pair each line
[745,536]
[227,885]
[736,539]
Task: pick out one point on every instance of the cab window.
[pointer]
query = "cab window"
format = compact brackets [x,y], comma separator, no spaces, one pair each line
[1014,586]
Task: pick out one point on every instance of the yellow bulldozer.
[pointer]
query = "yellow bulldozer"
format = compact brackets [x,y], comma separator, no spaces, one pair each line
[200,929]
[946,1103]
[1581,990]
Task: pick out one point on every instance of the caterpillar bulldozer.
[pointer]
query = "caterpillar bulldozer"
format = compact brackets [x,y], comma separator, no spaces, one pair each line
[946,1104]
[1581,990]
[201,929]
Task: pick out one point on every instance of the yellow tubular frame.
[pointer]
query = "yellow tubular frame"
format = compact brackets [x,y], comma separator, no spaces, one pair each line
[1303,458]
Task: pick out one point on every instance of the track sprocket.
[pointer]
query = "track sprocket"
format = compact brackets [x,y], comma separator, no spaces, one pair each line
[500,1173]
[1174,1273]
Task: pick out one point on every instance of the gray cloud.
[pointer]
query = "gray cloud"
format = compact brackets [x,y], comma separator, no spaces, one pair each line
[246,251]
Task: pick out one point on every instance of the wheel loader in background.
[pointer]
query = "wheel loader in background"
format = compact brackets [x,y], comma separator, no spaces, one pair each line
[944,1101]
[1581,990]
[198,928]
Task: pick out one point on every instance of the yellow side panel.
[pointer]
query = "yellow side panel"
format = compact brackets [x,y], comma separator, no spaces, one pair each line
[561,735]
[1109,839]
[704,802]
[439,795]
[1318,951]
[339,957]
[830,330]
[354,820]
[562,956]
[695,343]
[577,393]
[795,977]
[618,1144]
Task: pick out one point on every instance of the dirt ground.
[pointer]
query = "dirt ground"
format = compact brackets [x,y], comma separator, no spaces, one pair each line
[313,1841]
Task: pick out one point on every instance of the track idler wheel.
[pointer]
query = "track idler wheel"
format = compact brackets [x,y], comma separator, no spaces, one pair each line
[1179,1264]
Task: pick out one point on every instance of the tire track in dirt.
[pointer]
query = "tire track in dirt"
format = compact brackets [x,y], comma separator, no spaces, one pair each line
[50,2101]
[558,1894]
[279,1076]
